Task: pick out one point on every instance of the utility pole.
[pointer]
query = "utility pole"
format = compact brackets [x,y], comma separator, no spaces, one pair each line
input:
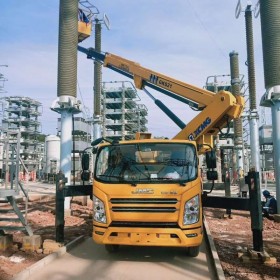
[253,114]
[238,161]
[97,117]
[66,103]
[97,84]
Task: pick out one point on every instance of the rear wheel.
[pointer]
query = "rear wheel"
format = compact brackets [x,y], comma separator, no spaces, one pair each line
[112,248]
[193,251]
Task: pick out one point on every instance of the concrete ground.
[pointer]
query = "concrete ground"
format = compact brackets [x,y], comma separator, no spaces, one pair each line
[91,261]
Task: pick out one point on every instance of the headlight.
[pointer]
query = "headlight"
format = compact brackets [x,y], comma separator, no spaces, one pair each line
[99,214]
[191,211]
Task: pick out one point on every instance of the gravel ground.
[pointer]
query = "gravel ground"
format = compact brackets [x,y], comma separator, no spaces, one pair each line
[41,217]
[229,236]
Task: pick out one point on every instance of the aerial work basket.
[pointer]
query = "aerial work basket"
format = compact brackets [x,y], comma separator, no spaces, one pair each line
[84,26]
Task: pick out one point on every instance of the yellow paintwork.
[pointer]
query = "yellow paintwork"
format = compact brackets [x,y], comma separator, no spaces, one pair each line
[200,96]
[220,107]
[217,109]
[221,110]
[105,234]
[148,236]
[84,30]
[152,140]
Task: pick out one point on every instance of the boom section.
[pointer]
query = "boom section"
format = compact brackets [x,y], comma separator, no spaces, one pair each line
[217,109]
[198,98]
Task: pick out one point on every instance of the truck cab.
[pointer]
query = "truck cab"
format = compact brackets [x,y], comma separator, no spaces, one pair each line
[148,192]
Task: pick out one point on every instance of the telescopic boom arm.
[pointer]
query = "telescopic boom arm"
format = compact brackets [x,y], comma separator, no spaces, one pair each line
[217,109]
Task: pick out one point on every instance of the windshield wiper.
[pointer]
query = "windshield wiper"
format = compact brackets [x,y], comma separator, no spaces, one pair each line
[111,176]
[120,179]
[182,183]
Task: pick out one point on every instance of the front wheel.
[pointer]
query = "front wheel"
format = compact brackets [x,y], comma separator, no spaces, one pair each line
[112,248]
[193,251]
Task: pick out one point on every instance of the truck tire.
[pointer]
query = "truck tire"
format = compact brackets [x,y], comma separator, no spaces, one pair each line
[112,248]
[193,251]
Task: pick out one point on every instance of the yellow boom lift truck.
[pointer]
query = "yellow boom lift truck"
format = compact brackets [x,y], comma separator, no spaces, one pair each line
[146,191]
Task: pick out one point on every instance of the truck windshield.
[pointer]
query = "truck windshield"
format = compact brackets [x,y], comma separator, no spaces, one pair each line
[146,163]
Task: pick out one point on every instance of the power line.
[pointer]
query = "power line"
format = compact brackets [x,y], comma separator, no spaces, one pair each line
[86,110]
[206,30]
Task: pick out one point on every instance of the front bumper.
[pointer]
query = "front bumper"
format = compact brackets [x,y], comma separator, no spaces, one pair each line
[148,236]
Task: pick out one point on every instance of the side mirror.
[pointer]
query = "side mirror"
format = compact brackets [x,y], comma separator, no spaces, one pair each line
[85,176]
[96,141]
[85,161]
[212,175]
[94,150]
[211,160]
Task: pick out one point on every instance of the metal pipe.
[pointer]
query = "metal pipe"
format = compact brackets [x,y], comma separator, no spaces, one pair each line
[97,70]
[270,23]
[166,110]
[17,159]
[97,84]
[67,81]
[67,48]
[250,58]
[7,148]
[253,118]
[123,111]
[253,181]
[104,111]
[238,129]
[235,85]
[218,148]
[12,168]
[66,148]
[97,127]
[275,112]
[73,149]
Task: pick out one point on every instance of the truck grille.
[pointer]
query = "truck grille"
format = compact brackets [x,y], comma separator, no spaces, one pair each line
[145,209]
[148,205]
[143,200]
[145,224]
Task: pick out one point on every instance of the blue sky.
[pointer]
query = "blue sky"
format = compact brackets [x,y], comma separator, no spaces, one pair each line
[185,39]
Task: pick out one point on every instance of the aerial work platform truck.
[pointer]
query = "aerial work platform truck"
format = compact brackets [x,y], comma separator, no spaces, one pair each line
[148,191]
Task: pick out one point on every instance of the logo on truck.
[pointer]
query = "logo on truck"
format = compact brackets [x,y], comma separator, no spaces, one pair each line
[143,191]
[200,128]
[153,79]
[159,81]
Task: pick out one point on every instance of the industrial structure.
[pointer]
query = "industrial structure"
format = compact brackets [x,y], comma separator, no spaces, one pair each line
[21,154]
[20,122]
[81,140]
[226,149]
[122,116]
[266,154]
[51,157]
[2,81]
